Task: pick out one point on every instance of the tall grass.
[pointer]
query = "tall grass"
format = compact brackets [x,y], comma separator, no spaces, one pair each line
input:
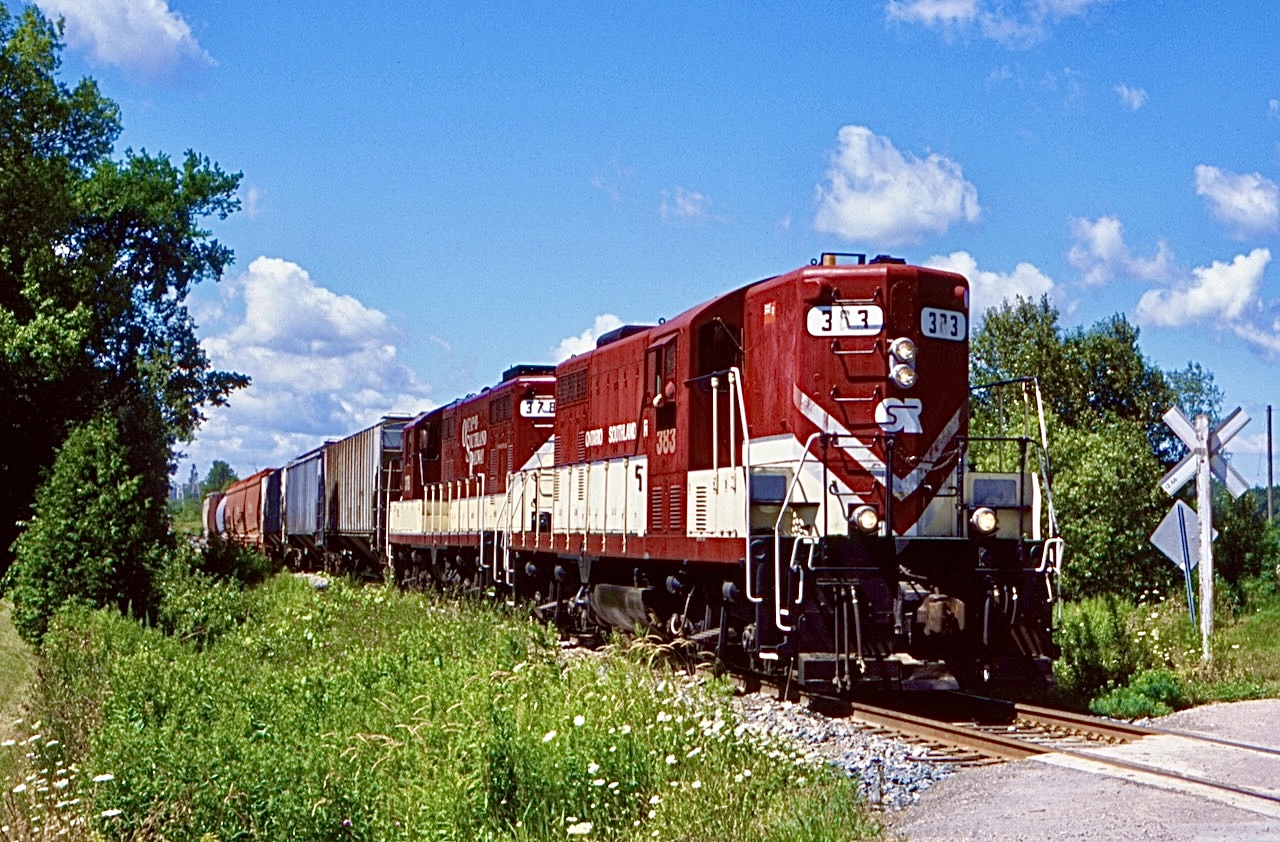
[359,713]
[1130,661]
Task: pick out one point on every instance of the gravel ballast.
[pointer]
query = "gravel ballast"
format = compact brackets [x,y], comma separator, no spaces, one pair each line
[1053,798]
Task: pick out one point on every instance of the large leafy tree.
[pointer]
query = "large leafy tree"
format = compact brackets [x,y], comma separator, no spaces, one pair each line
[97,257]
[1109,445]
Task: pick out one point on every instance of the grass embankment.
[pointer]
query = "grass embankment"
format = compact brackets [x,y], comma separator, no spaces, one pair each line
[359,713]
[16,668]
[1147,660]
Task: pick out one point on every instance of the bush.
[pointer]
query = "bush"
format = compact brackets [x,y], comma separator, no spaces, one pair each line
[1156,692]
[1098,650]
[200,608]
[97,534]
[224,559]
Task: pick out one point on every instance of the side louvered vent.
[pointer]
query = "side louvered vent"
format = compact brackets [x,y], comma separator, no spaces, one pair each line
[701,510]
[675,508]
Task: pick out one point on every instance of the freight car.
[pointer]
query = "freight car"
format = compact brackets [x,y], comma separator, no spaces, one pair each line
[249,512]
[779,475]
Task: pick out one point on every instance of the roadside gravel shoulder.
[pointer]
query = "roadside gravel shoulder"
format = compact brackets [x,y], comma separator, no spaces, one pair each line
[1035,800]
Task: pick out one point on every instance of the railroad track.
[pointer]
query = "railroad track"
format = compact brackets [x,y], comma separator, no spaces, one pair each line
[1194,764]
[989,731]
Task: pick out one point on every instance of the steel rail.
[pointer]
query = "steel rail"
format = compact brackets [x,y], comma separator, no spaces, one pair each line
[962,736]
[1001,746]
[1084,724]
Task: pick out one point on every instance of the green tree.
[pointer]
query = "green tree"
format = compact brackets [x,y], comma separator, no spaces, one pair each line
[1109,445]
[97,257]
[219,477]
[93,509]
[1109,503]
[1246,548]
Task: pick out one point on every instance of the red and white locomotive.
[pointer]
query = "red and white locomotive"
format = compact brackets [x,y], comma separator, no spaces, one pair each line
[778,474]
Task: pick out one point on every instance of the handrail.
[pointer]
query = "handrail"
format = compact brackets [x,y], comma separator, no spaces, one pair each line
[777,540]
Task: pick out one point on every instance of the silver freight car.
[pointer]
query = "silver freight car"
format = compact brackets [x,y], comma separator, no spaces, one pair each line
[304,510]
[361,478]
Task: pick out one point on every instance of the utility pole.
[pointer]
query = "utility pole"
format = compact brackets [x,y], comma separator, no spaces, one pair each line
[1270,479]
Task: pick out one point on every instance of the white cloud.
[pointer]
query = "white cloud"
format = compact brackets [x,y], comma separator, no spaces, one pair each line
[988,289]
[1100,254]
[1132,98]
[140,36]
[1013,24]
[683,205]
[323,365]
[255,199]
[1222,292]
[1248,202]
[585,341]
[936,13]
[874,193]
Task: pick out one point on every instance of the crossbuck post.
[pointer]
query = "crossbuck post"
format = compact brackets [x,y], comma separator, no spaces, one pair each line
[1204,506]
[1205,460]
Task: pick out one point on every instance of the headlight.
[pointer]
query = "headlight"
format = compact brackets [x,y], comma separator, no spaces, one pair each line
[904,349]
[984,520]
[866,518]
[903,375]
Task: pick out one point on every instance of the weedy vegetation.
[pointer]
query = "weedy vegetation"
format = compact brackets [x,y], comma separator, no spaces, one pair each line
[1132,661]
[288,713]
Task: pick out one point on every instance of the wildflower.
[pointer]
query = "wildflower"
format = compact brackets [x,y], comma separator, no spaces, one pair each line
[657,799]
[625,729]
[20,788]
[549,736]
[8,743]
[111,814]
[696,784]
[103,778]
[598,782]
[663,716]
[694,752]
[671,760]
[61,783]
[593,768]
[579,721]
[580,829]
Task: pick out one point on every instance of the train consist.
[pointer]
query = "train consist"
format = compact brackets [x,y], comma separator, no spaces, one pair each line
[778,475]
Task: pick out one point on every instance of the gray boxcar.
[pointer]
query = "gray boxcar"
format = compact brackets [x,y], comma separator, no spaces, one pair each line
[304,509]
[361,476]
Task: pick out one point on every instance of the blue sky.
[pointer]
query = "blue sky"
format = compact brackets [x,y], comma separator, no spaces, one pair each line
[433,192]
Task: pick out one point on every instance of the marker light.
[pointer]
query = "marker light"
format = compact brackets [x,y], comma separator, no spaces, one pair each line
[904,375]
[984,520]
[866,519]
[904,349]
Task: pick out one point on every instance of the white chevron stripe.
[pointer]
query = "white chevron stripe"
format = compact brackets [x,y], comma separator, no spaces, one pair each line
[903,487]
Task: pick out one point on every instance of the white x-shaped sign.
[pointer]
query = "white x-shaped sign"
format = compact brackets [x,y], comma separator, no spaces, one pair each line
[1186,469]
